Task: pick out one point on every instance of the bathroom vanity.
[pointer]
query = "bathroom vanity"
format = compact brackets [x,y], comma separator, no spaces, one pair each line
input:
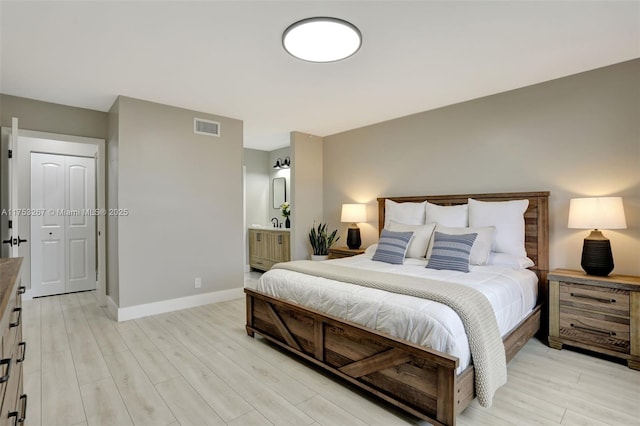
[268,247]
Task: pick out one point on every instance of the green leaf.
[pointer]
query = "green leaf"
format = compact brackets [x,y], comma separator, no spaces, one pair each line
[321,241]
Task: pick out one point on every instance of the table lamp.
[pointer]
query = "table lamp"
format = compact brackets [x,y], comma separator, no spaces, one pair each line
[354,213]
[597,213]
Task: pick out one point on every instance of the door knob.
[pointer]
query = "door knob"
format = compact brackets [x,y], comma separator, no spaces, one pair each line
[20,240]
[9,241]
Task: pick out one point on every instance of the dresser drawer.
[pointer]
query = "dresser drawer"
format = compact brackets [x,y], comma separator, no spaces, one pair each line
[597,299]
[261,264]
[595,328]
[10,336]
[11,397]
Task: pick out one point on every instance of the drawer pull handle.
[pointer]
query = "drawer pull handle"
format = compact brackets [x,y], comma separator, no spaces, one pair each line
[22,289]
[17,323]
[597,299]
[7,373]
[23,397]
[18,420]
[594,330]
[24,351]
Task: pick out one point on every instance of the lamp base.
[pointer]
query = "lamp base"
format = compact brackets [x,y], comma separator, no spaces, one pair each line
[353,238]
[597,258]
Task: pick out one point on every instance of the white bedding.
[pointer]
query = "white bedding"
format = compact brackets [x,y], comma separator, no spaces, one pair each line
[512,294]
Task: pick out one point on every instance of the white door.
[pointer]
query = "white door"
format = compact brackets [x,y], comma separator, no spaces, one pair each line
[63,224]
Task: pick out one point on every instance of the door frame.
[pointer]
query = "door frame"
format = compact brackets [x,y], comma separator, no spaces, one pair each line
[51,143]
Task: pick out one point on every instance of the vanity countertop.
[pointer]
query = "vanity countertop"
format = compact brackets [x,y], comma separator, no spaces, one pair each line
[269,228]
[9,272]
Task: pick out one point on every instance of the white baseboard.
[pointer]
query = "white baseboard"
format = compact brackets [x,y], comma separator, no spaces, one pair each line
[154,308]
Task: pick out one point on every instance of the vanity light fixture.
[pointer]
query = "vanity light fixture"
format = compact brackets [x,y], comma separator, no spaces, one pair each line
[322,39]
[282,164]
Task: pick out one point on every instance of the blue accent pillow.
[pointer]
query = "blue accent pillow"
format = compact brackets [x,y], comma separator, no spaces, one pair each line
[451,251]
[392,247]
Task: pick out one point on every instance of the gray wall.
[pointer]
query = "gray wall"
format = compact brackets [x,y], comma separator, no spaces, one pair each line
[576,136]
[53,118]
[184,192]
[306,191]
[112,202]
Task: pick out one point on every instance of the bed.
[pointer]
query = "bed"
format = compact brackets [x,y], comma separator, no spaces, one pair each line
[425,382]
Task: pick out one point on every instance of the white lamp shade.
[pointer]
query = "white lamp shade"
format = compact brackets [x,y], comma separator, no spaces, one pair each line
[354,213]
[597,213]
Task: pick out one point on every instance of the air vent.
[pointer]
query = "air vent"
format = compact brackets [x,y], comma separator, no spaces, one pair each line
[206,127]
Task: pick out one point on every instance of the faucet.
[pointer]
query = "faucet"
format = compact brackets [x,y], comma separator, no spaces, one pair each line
[276,223]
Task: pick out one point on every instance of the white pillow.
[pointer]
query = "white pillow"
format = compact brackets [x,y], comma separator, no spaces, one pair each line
[508,219]
[369,251]
[509,261]
[407,213]
[453,216]
[421,237]
[481,246]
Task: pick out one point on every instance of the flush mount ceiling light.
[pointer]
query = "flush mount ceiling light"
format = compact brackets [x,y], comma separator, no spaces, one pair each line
[322,39]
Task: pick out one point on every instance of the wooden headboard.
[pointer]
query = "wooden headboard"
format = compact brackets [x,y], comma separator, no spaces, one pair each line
[536,219]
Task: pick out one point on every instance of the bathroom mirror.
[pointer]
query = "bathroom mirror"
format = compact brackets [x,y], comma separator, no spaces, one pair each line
[279,191]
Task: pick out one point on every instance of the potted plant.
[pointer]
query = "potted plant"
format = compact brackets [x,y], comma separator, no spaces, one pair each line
[321,241]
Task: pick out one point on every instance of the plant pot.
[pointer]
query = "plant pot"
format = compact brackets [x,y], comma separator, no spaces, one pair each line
[287,222]
[318,257]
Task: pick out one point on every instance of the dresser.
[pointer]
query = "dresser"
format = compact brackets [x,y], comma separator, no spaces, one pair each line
[601,314]
[268,247]
[13,409]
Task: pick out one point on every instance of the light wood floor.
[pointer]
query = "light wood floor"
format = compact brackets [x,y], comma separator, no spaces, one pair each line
[199,367]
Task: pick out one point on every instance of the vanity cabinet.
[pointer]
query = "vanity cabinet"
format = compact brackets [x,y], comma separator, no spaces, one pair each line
[268,247]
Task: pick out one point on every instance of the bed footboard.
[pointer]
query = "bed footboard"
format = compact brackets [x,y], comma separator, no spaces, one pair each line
[416,379]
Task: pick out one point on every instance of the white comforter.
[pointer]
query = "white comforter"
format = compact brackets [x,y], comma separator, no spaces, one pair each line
[512,294]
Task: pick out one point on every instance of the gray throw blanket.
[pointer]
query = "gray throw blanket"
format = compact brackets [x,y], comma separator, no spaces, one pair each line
[487,348]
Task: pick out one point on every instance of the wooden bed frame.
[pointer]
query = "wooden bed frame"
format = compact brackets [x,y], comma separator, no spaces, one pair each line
[417,379]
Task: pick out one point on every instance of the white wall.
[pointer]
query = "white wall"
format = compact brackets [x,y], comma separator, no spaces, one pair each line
[279,173]
[184,194]
[575,136]
[307,191]
[257,186]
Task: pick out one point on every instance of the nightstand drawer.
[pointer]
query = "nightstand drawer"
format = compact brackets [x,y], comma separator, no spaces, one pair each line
[599,299]
[595,328]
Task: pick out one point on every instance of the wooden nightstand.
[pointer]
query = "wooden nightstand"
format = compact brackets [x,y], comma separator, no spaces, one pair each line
[601,314]
[343,251]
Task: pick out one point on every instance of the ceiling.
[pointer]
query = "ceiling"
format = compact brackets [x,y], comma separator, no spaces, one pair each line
[226,58]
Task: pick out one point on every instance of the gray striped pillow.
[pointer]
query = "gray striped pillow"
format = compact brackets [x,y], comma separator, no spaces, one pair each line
[392,246]
[451,251]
